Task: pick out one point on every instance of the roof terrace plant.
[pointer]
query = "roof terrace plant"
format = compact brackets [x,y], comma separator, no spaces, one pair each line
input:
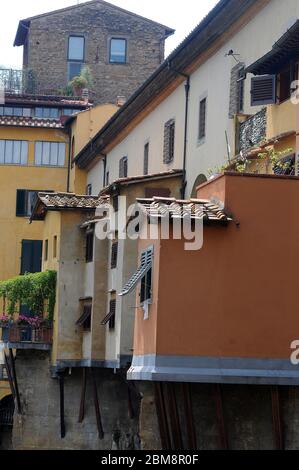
[35,291]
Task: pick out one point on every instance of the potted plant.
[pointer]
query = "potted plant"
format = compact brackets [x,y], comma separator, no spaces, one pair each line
[78,84]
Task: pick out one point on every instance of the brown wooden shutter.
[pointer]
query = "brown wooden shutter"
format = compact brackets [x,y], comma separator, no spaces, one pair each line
[112,312]
[114,252]
[263,90]
[169,140]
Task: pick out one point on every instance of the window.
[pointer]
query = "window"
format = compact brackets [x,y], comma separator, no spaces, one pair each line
[85,319]
[89,246]
[89,190]
[263,90]
[145,159]
[169,140]
[118,51]
[50,153]
[107,178]
[31,257]
[123,167]
[14,111]
[47,113]
[142,275]
[76,48]
[240,89]
[13,152]
[46,252]
[114,253]
[146,287]
[76,53]
[110,318]
[74,70]
[69,111]
[26,200]
[202,119]
[286,77]
[55,246]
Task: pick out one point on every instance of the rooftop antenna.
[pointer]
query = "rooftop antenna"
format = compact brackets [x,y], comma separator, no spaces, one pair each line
[231,53]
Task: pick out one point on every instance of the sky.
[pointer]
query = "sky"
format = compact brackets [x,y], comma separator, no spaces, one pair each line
[182,16]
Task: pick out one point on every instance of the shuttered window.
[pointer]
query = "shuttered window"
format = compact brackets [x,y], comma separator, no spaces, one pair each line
[13,152]
[114,253]
[169,141]
[146,159]
[50,153]
[26,200]
[31,258]
[110,318]
[202,119]
[123,167]
[85,319]
[144,268]
[263,90]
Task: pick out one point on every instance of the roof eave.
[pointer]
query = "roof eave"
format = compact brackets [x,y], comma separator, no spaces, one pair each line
[22,33]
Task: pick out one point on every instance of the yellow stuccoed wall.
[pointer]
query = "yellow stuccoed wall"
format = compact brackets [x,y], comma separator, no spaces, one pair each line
[281,118]
[15,229]
[84,128]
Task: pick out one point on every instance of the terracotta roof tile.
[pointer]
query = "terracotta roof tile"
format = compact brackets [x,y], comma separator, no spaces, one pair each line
[21,121]
[175,208]
[69,201]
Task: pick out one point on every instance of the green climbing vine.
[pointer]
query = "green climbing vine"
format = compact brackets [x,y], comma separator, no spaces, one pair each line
[35,291]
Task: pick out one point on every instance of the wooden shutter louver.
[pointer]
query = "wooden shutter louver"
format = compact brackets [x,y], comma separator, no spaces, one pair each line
[146,265]
[263,90]
[114,253]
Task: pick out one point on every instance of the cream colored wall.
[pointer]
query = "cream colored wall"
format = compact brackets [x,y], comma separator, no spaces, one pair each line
[211,79]
[151,130]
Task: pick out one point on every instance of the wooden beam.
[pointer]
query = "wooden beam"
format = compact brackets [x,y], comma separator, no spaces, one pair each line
[162,416]
[96,405]
[277,416]
[83,394]
[9,375]
[14,377]
[192,445]
[174,417]
[223,438]
[62,420]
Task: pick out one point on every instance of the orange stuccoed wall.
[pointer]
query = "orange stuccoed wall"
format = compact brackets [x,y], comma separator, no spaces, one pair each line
[238,295]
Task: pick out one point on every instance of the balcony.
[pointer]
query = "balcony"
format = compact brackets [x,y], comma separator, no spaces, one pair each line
[19,82]
[27,337]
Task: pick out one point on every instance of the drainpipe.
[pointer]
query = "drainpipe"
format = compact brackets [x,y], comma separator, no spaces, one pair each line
[69,161]
[105,168]
[187,94]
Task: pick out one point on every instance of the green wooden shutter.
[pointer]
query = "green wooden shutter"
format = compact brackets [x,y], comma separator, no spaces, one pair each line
[21,203]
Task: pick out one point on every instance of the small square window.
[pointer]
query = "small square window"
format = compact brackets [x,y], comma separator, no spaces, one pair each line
[118,51]
[55,246]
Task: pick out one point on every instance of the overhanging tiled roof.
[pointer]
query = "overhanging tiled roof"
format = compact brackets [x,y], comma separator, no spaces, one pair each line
[64,201]
[140,179]
[46,100]
[283,51]
[210,29]
[175,208]
[21,121]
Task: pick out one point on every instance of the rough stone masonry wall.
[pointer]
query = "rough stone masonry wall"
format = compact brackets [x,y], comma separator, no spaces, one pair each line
[48,45]
[39,425]
[247,412]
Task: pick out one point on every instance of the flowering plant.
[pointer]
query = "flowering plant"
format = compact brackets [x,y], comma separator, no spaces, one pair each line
[34,322]
[5,320]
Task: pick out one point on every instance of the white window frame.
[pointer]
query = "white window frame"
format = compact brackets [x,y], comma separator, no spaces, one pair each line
[18,149]
[43,151]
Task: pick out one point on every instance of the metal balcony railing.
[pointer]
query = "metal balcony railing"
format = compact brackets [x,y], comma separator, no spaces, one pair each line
[18,81]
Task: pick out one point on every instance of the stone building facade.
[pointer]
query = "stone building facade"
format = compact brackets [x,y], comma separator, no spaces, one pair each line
[120,48]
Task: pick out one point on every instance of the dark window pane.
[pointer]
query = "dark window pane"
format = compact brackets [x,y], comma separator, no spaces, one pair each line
[145,162]
[21,203]
[146,287]
[89,247]
[118,50]
[114,253]
[74,70]
[31,259]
